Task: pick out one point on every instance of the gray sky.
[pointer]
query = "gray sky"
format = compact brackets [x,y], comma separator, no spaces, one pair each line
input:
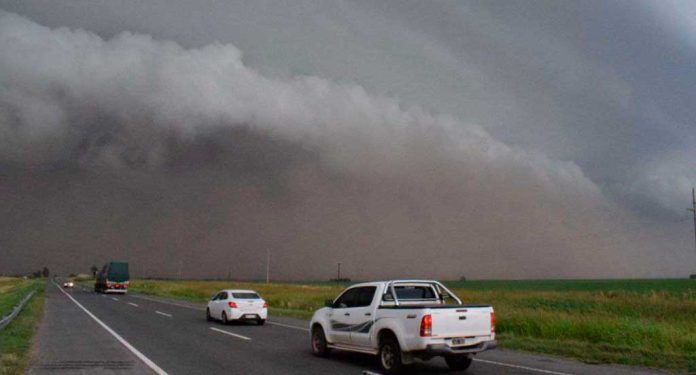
[583,108]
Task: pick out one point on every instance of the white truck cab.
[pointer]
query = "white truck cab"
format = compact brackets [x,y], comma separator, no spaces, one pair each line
[401,320]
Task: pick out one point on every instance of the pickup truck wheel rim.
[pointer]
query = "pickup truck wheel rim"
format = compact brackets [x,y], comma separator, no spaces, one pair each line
[387,356]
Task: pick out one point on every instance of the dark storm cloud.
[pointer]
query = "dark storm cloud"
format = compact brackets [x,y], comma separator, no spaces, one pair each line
[606,85]
[180,151]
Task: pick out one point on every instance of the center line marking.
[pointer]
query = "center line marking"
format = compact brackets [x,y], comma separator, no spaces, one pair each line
[133,304]
[163,313]
[289,326]
[114,298]
[230,333]
[521,367]
[169,303]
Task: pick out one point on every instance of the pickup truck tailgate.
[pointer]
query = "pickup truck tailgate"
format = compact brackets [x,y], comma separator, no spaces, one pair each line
[461,322]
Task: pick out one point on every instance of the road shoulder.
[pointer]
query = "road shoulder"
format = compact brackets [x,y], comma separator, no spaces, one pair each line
[69,341]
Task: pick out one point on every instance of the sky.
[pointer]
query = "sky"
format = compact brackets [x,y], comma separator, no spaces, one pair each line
[491,139]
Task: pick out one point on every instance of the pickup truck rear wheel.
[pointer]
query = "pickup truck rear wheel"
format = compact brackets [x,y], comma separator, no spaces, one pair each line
[458,362]
[320,346]
[390,355]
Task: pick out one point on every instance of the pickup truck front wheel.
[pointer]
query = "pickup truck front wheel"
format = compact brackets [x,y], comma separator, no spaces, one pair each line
[390,355]
[320,346]
[458,362]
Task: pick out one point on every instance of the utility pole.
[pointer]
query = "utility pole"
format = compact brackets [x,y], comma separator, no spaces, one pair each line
[268,265]
[693,210]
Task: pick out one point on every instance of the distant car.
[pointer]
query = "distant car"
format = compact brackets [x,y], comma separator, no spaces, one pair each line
[237,305]
[68,284]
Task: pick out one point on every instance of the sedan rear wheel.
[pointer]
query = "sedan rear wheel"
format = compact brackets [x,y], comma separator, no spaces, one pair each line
[207,315]
[224,318]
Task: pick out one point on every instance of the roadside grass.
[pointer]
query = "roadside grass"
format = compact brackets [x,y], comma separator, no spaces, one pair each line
[15,339]
[633,322]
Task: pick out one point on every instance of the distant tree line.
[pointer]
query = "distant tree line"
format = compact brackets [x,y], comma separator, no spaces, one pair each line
[41,273]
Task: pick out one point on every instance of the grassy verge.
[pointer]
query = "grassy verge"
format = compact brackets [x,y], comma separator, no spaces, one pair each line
[15,339]
[633,322]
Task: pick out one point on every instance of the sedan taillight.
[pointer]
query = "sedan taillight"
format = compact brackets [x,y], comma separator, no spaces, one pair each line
[265,305]
[232,304]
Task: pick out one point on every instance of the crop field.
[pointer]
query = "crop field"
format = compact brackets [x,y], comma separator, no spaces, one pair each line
[633,322]
[15,339]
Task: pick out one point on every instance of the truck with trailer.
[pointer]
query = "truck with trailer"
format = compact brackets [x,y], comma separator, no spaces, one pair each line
[113,278]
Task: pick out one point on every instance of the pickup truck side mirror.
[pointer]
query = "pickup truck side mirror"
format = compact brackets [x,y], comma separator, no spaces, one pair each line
[328,303]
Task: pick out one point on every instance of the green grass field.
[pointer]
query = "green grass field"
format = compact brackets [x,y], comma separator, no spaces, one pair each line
[15,339]
[633,322]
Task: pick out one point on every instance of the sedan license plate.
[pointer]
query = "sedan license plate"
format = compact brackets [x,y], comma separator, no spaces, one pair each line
[249,316]
[464,341]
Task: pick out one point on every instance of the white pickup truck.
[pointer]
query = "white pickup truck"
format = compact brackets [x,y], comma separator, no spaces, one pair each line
[401,320]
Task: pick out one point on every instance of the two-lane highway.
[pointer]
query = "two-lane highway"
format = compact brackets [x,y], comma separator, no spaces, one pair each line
[86,332]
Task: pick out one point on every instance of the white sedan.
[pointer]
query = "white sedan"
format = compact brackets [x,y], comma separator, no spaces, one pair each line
[236,305]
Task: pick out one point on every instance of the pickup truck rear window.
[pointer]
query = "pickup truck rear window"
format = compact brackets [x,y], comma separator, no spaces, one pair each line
[414,292]
[245,296]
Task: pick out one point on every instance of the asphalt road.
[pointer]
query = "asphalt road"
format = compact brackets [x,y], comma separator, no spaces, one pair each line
[132,334]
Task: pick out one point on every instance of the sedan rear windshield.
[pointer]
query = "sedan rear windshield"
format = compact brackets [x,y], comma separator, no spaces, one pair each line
[245,296]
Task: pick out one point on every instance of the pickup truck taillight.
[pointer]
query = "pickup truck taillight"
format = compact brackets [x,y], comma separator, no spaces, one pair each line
[232,304]
[426,327]
[265,305]
[492,322]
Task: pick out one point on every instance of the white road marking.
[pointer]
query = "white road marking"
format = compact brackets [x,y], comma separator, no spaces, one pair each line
[203,309]
[158,370]
[230,333]
[133,304]
[163,313]
[288,326]
[521,367]
[114,298]
[170,303]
